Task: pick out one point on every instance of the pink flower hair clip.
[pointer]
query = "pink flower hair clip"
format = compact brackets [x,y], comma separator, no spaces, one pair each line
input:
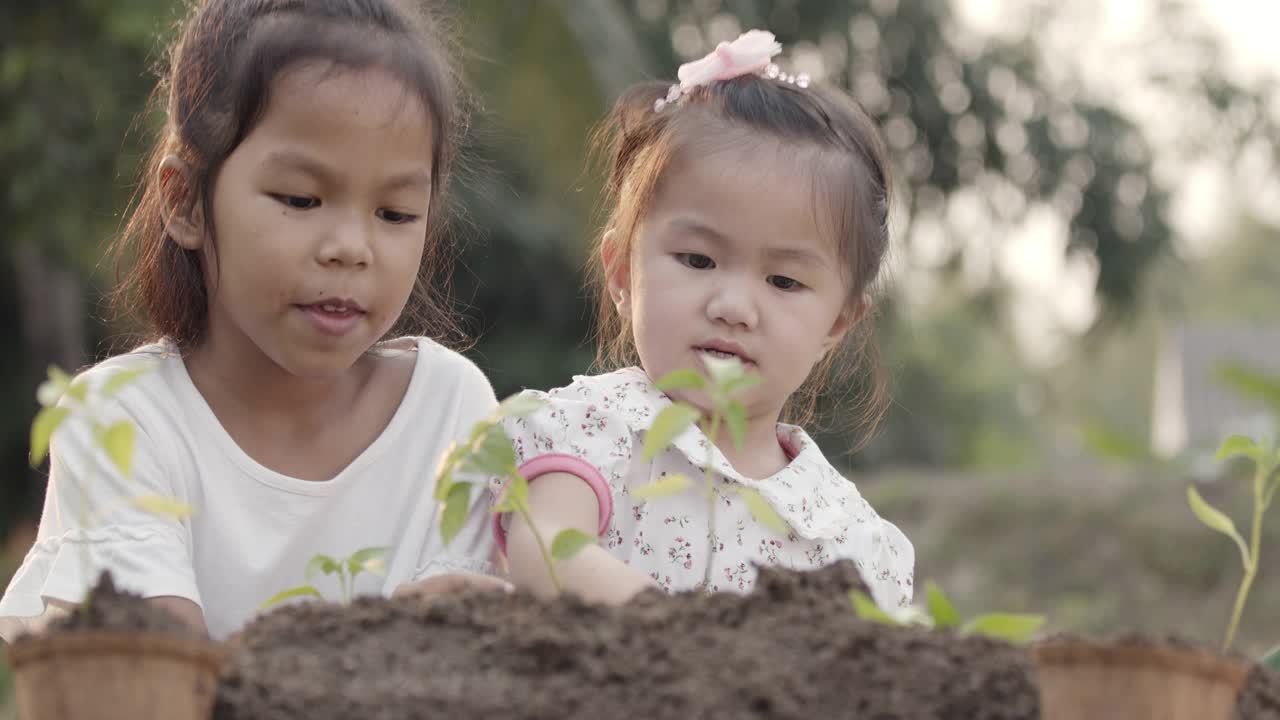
[750,54]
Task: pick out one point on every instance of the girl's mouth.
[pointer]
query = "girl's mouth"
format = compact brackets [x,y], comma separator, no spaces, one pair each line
[718,353]
[725,351]
[333,317]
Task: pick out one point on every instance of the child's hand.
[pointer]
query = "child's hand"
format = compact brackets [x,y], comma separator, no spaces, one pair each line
[451,583]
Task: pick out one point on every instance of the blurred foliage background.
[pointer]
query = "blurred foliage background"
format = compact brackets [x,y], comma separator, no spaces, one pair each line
[1050,237]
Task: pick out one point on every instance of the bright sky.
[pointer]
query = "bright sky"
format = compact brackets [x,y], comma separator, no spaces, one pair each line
[1102,39]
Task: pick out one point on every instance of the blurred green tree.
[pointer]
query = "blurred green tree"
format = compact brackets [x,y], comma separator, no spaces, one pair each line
[966,116]
[73,80]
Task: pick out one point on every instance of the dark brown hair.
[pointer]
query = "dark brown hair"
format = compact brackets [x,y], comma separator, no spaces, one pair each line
[851,173]
[217,86]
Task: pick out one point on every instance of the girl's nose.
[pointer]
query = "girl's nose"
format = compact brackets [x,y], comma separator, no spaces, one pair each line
[347,244]
[732,303]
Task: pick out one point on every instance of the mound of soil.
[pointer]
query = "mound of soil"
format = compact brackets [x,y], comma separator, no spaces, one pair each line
[791,649]
[107,608]
[1260,697]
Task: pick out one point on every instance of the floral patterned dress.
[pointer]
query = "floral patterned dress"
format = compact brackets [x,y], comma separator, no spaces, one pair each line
[598,423]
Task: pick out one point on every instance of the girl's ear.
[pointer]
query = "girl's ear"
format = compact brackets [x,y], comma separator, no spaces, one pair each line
[617,272]
[183,212]
[851,315]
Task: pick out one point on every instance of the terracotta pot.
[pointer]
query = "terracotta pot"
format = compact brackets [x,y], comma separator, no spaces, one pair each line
[103,675]
[1084,680]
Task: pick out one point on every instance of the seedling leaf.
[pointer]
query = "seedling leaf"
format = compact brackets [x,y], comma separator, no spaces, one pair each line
[117,440]
[477,431]
[867,609]
[47,420]
[662,487]
[683,379]
[568,543]
[444,475]
[518,489]
[50,391]
[740,384]
[121,379]
[912,615]
[455,511]
[300,591]
[1252,384]
[1216,520]
[1239,445]
[78,389]
[516,495]
[940,608]
[762,511]
[1272,659]
[1011,627]
[673,420]
[494,455]
[735,416]
[519,405]
[370,560]
[322,564]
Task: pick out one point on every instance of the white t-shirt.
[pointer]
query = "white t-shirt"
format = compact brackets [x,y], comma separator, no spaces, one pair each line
[594,428]
[253,530]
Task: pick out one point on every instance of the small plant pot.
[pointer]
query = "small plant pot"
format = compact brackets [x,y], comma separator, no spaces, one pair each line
[1084,680]
[110,675]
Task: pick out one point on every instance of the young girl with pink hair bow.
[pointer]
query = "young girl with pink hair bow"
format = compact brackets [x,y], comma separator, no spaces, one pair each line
[748,220]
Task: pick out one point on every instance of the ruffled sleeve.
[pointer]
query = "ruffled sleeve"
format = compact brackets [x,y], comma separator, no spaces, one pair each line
[820,504]
[92,522]
[472,549]
[576,431]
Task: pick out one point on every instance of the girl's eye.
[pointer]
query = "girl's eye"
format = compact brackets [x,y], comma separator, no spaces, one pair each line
[783,282]
[395,218]
[297,202]
[696,261]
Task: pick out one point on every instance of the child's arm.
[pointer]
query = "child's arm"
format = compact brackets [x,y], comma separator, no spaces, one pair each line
[183,609]
[447,583]
[560,501]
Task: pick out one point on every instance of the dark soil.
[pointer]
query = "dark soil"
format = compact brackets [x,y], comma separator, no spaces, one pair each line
[107,608]
[1260,697]
[792,649]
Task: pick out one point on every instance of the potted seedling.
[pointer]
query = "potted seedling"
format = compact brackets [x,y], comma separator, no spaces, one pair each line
[724,380]
[1143,679]
[941,614]
[488,453]
[346,569]
[114,656]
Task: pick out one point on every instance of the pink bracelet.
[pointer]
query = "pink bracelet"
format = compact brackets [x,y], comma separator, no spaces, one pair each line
[560,462]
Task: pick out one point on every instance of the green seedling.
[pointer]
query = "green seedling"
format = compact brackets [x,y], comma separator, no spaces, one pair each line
[940,613]
[725,379]
[1272,659]
[1266,478]
[62,398]
[368,560]
[488,453]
